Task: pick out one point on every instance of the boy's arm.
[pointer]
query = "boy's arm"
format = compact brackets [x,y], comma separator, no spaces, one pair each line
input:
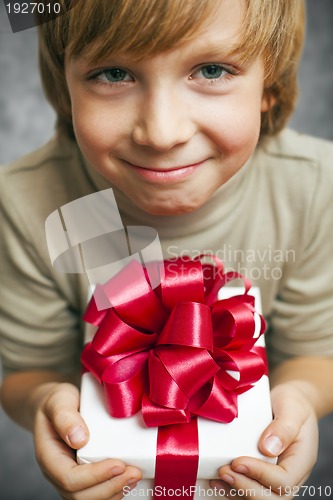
[313,376]
[23,391]
[308,381]
[44,401]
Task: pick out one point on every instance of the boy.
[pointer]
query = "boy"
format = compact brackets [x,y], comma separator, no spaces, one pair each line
[178,106]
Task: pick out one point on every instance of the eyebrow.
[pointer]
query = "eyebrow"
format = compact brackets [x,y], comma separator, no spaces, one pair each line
[222,48]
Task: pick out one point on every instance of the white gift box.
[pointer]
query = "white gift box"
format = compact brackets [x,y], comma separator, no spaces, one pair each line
[130,440]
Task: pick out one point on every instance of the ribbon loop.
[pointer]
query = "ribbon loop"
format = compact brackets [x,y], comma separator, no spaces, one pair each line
[197,332]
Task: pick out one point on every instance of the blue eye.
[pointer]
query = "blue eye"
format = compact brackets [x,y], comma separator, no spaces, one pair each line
[115,75]
[110,76]
[212,71]
[213,75]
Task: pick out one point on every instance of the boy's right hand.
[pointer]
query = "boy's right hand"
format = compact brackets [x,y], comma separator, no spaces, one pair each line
[59,430]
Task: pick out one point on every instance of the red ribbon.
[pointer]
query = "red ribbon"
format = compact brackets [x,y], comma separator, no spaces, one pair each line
[173,352]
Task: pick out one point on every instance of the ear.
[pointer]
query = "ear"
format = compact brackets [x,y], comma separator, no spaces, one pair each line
[268,100]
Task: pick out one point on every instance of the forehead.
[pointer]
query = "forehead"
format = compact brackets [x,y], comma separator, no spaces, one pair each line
[144,28]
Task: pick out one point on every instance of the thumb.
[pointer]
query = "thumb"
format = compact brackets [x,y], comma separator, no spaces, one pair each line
[289,413]
[62,409]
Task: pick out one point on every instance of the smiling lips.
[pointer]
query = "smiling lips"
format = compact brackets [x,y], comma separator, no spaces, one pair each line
[165,175]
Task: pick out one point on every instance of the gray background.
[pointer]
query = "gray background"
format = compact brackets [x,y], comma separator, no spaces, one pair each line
[26,121]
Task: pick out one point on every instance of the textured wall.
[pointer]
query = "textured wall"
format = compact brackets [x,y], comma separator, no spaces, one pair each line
[26,121]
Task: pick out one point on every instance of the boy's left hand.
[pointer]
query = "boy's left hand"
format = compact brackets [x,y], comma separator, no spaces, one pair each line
[292,436]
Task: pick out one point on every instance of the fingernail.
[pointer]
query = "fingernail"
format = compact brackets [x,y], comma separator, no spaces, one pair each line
[77,435]
[241,469]
[273,444]
[215,484]
[132,481]
[117,470]
[227,479]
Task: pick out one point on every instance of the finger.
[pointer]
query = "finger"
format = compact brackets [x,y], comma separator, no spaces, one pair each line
[113,488]
[61,407]
[116,488]
[240,486]
[274,477]
[58,464]
[221,489]
[284,429]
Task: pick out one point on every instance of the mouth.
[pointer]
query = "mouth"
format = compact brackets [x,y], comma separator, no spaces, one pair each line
[166,175]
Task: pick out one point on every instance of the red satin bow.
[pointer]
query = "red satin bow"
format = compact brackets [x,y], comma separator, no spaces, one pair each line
[174,352]
[170,351]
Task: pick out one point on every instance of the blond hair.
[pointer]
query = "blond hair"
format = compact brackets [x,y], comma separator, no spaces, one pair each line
[272,29]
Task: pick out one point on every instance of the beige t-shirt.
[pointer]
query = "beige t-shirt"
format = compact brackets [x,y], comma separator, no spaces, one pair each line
[272,222]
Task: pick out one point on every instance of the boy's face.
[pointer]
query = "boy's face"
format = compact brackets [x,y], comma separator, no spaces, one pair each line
[169,130]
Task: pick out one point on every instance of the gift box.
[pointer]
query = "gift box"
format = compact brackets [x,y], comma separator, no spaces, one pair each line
[130,440]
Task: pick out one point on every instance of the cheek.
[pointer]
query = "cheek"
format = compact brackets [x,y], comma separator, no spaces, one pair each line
[237,128]
[96,131]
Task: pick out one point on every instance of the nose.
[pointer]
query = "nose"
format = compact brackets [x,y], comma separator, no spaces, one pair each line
[163,121]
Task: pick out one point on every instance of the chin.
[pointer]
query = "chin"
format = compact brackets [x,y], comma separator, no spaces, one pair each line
[169,207]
